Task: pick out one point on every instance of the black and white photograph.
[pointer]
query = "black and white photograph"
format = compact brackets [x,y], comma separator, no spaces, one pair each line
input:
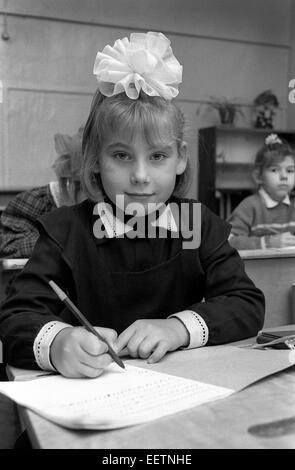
[147,228]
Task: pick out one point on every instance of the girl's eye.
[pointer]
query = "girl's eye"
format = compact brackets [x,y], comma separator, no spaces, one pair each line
[121,156]
[158,157]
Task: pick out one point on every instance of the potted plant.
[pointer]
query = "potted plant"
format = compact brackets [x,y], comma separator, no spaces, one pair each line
[227,110]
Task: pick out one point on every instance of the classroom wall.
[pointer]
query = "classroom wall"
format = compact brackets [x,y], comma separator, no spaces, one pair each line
[229,48]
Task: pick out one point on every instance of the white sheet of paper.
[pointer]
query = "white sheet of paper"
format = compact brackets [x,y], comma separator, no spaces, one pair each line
[116,399]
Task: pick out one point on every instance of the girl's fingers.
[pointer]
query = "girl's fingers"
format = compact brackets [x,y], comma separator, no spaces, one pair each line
[95,362]
[124,337]
[85,365]
[134,343]
[158,353]
[146,347]
[90,372]
[91,344]
[107,333]
[123,352]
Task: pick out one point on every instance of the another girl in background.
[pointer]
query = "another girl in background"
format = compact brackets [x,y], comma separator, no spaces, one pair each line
[267,219]
[147,295]
[18,229]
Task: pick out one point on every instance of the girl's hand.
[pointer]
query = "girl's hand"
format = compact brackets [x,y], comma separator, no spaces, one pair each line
[75,352]
[281,240]
[152,338]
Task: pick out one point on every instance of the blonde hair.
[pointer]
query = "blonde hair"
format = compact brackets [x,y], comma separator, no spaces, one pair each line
[108,114]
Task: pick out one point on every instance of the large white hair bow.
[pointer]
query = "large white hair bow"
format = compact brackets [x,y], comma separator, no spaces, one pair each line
[145,62]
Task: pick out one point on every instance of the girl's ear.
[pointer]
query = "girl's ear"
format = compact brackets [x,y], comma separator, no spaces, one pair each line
[256,176]
[182,159]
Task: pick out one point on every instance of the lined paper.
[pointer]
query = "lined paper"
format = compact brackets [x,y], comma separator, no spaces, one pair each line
[116,399]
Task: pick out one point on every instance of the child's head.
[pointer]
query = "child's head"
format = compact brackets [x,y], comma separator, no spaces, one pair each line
[67,167]
[275,167]
[133,141]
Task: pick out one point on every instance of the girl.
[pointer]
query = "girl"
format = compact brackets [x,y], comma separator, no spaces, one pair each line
[267,219]
[147,295]
[18,231]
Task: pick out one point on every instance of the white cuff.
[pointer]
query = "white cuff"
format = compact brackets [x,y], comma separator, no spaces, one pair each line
[43,342]
[196,327]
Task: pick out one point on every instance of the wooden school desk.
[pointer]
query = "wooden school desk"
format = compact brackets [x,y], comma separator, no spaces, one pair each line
[273,271]
[221,424]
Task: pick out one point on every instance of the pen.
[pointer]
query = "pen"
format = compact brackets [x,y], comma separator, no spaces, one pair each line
[79,315]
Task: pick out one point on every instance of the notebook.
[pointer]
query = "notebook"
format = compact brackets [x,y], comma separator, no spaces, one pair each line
[116,399]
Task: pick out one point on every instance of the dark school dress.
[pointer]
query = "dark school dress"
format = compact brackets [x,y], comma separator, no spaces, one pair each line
[115,281]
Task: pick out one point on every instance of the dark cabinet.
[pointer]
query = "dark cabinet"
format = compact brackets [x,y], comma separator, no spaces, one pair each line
[226,158]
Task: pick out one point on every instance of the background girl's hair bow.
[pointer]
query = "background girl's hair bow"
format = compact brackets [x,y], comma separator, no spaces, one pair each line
[145,62]
[272,139]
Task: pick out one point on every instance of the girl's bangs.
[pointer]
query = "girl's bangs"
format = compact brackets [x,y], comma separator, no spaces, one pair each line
[137,120]
[277,157]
